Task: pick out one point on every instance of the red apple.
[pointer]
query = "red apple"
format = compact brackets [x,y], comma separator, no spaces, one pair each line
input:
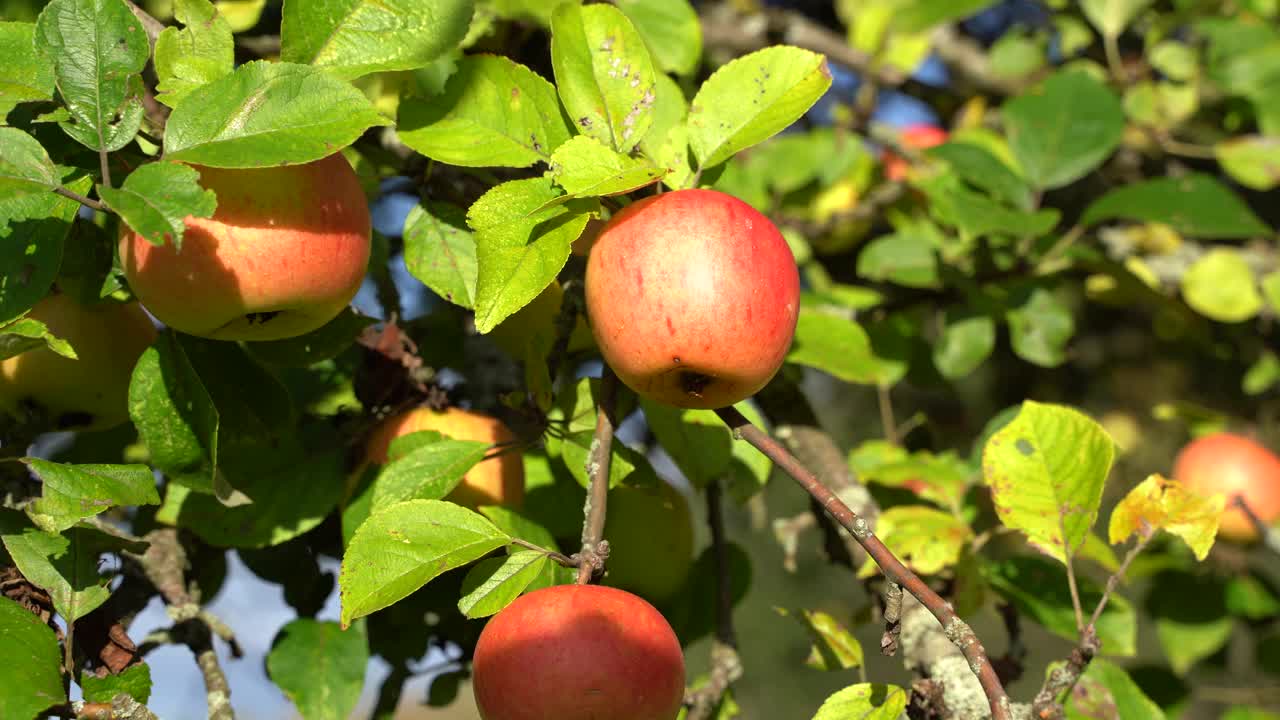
[578,652]
[92,391]
[1233,465]
[283,254]
[920,137]
[692,297]
[498,480]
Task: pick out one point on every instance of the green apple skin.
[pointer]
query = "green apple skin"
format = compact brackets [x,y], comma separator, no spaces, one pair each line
[90,392]
[578,652]
[285,251]
[650,534]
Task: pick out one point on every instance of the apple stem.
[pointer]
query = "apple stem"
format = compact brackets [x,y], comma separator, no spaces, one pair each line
[956,629]
[594,549]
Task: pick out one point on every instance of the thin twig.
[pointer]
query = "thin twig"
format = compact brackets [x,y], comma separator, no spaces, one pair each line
[594,548]
[73,195]
[1072,585]
[956,629]
[558,557]
[726,665]
[1270,536]
[105,164]
[887,421]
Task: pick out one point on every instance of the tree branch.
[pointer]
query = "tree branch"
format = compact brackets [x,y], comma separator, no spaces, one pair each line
[72,195]
[957,631]
[726,665]
[595,550]
[1270,536]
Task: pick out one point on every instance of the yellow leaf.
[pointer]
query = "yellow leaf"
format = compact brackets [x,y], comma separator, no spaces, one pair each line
[1160,504]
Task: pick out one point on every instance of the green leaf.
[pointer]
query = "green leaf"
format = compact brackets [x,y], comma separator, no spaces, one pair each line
[603,73]
[198,54]
[24,75]
[134,681]
[698,441]
[1106,690]
[440,251]
[1038,588]
[979,167]
[943,478]
[493,112]
[25,166]
[752,98]
[586,168]
[492,584]
[324,343]
[1046,470]
[1220,285]
[31,676]
[429,472]
[27,334]
[290,493]
[1040,328]
[405,546]
[920,15]
[1191,617]
[70,493]
[976,214]
[1111,17]
[1251,599]
[834,647]
[671,30]
[320,667]
[926,539]
[1196,205]
[31,247]
[838,347]
[905,257]
[522,242]
[66,565]
[174,415]
[266,114]
[157,198]
[351,38]
[97,48]
[966,341]
[1063,129]
[1252,161]
[1262,375]
[1271,289]
[865,701]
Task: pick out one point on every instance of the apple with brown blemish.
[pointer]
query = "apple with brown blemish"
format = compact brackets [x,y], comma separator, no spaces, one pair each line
[283,254]
[693,297]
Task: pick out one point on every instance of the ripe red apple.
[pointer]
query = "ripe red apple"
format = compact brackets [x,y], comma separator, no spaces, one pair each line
[692,296]
[284,252]
[92,391]
[920,137]
[498,480]
[650,536]
[1233,465]
[578,652]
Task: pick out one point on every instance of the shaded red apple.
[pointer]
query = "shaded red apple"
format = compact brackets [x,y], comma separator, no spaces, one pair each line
[692,297]
[283,254]
[1233,465]
[920,137]
[90,392]
[578,652]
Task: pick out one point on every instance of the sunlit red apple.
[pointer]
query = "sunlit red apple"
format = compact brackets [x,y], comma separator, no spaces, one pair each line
[578,652]
[497,480]
[693,297]
[1233,465]
[90,392]
[650,536]
[920,137]
[283,254]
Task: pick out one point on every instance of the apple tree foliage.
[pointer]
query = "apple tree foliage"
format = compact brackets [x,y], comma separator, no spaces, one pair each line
[1084,272]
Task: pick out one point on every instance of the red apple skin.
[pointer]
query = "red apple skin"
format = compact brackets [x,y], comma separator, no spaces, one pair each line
[921,137]
[283,254]
[578,652]
[90,392]
[1231,465]
[693,297]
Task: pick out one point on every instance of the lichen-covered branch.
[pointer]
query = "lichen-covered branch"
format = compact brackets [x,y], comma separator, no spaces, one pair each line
[956,630]
[595,550]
